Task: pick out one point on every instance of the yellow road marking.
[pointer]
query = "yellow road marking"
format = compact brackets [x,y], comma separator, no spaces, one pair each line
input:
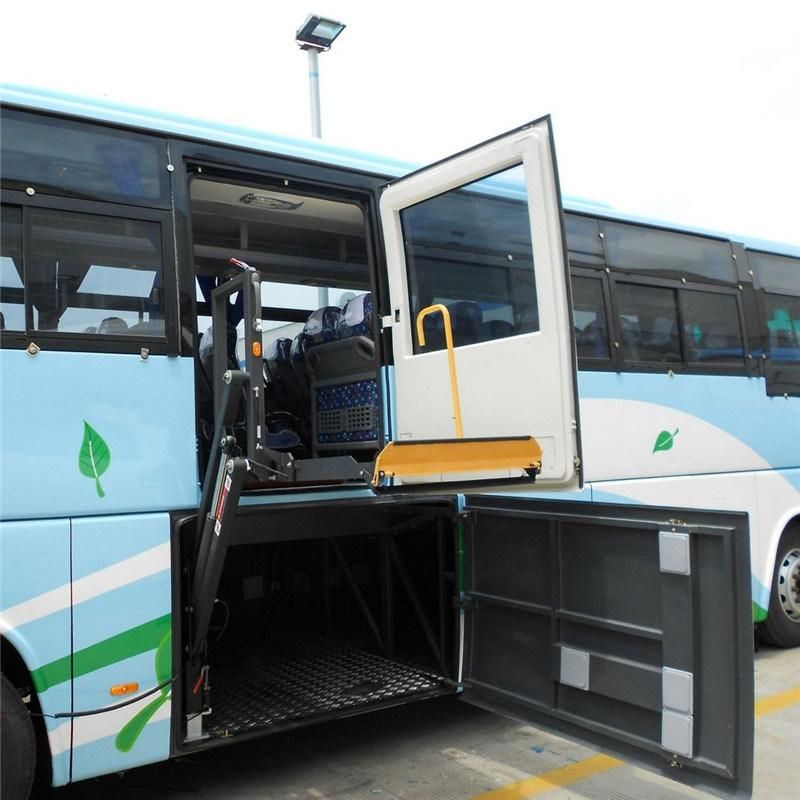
[777,702]
[531,787]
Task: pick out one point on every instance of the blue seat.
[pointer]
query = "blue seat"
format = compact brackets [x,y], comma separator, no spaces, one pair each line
[467,319]
[322,325]
[357,317]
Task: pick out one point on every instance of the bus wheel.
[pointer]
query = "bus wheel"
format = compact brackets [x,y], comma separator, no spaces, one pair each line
[18,744]
[782,625]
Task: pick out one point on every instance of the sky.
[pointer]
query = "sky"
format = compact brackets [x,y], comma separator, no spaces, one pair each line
[688,112]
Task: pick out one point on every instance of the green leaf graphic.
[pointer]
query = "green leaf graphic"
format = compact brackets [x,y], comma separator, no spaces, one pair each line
[94,457]
[665,440]
[133,728]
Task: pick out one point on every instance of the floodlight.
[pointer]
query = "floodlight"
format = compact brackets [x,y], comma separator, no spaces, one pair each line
[318,33]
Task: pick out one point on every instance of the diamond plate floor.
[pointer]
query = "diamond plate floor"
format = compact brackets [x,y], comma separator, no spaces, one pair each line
[304,680]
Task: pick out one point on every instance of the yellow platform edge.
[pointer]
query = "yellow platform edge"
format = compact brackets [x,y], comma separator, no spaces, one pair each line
[444,457]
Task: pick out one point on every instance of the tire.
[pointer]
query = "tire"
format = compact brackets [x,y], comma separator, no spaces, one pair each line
[18,745]
[781,628]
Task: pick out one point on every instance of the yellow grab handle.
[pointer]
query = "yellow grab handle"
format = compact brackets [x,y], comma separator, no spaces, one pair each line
[451,356]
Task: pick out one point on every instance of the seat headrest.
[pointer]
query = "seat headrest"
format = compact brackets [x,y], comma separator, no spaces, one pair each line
[278,351]
[356,319]
[113,325]
[322,324]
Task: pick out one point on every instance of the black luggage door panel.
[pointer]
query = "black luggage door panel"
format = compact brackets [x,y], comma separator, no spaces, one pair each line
[627,626]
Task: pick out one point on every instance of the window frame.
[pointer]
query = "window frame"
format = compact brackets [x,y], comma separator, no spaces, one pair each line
[89,342]
[684,365]
[597,363]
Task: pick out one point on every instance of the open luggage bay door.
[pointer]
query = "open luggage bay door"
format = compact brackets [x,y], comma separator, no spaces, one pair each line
[483,386]
[628,627]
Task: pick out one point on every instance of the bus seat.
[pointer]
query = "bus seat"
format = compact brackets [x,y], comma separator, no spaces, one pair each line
[356,318]
[592,341]
[497,329]
[322,325]
[205,387]
[433,326]
[112,325]
[467,320]
[285,399]
[277,362]
[631,336]
[343,389]
[297,356]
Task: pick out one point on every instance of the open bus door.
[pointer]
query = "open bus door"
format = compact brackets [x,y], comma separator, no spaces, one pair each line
[483,384]
[618,625]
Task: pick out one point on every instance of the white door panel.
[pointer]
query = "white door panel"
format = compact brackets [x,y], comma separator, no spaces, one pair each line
[481,234]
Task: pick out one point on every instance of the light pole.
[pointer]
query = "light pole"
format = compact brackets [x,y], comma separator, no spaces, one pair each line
[315,36]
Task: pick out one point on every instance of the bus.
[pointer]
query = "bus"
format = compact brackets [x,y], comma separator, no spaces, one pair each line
[292,433]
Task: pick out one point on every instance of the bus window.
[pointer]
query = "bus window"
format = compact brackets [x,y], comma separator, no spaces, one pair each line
[95,274]
[471,251]
[783,326]
[59,156]
[589,316]
[12,301]
[639,249]
[712,329]
[583,240]
[648,318]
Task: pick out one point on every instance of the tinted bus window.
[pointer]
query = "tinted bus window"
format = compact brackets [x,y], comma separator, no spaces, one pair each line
[783,326]
[589,316]
[94,274]
[12,300]
[635,248]
[583,235]
[57,156]
[779,274]
[711,324]
[648,319]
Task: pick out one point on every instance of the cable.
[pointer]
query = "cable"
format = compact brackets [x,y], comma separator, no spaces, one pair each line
[224,624]
[92,712]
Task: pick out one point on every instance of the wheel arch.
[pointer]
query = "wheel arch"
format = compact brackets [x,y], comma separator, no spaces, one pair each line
[790,521]
[16,670]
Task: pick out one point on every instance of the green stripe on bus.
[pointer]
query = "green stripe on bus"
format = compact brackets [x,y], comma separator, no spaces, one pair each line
[116,648]
[759,614]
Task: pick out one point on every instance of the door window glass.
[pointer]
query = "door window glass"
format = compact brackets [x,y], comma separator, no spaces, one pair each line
[95,274]
[470,249]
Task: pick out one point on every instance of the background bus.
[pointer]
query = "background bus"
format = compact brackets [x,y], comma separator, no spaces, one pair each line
[117,231]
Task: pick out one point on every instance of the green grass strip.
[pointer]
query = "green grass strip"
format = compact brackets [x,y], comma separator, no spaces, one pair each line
[116,648]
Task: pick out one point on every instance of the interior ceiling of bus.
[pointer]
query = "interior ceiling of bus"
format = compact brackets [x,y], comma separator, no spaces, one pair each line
[276,208]
[290,237]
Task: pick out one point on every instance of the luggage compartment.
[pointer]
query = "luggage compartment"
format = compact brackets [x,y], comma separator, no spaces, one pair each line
[354,612]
